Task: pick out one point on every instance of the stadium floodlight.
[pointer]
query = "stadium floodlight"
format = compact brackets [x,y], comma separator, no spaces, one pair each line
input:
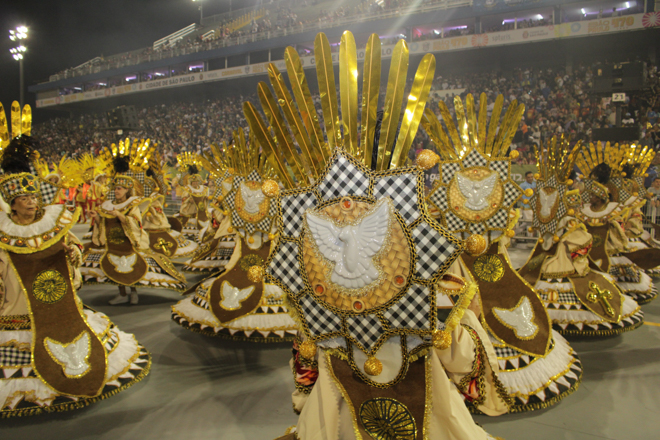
[583,11]
[201,10]
[20,33]
[627,5]
[539,17]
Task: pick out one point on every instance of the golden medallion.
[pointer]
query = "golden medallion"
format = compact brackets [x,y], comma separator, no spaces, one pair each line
[387,419]
[475,194]
[115,235]
[49,286]
[252,205]
[488,268]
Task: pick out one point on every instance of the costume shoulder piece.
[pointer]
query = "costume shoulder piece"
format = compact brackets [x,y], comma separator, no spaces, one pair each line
[475,192]
[109,206]
[358,254]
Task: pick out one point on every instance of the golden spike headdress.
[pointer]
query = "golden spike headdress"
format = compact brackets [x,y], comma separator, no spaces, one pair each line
[636,160]
[354,181]
[134,156]
[601,164]
[21,124]
[475,192]
[553,199]
[189,165]
[90,166]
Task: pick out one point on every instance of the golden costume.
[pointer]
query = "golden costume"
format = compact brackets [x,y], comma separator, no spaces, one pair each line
[193,214]
[563,267]
[235,304]
[360,259]
[55,354]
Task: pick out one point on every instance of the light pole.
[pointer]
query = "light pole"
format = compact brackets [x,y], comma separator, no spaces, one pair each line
[201,10]
[18,34]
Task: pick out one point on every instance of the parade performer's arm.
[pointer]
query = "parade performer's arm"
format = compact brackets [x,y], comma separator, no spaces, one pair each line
[131,221]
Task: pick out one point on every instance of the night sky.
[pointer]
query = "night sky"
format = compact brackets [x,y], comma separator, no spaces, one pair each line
[66,33]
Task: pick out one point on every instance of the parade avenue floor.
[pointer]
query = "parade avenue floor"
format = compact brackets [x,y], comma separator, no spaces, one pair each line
[209,388]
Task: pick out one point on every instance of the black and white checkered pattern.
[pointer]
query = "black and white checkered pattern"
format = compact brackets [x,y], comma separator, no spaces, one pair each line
[265,224]
[223,253]
[477,228]
[239,223]
[93,257]
[502,168]
[511,193]
[586,194]
[344,179]
[319,320]
[151,262]
[499,220]
[563,297]
[448,171]
[504,352]
[229,201]
[48,192]
[627,274]
[237,180]
[286,268]
[13,357]
[366,330]
[474,159]
[254,176]
[148,187]
[402,190]
[439,197]
[293,210]
[454,223]
[412,310]
[432,250]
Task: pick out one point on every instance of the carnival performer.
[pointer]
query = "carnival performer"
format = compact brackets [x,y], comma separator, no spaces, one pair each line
[119,253]
[57,354]
[360,259]
[476,200]
[644,250]
[194,199]
[217,238]
[604,214]
[238,304]
[581,300]
[162,238]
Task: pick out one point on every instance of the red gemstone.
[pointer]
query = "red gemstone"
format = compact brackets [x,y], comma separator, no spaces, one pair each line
[399,279]
[357,305]
[319,289]
[347,204]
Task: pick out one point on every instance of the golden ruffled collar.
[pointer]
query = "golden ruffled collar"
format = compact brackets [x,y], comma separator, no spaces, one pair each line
[108,206]
[40,235]
[201,191]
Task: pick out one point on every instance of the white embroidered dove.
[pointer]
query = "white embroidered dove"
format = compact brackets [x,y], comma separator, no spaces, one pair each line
[476,191]
[73,356]
[123,264]
[252,198]
[547,202]
[352,248]
[232,296]
[520,318]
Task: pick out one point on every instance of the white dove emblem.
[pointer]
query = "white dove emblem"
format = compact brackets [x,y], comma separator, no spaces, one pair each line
[252,198]
[547,202]
[520,318]
[351,248]
[476,191]
[232,296]
[226,186]
[72,356]
[123,264]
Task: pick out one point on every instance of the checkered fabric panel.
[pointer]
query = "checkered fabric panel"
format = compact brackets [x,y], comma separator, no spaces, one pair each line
[151,262]
[93,257]
[412,310]
[48,192]
[573,199]
[236,220]
[477,228]
[238,179]
[223,253]
[13,357]
[148,188]
[230,201]
[499,220]
[448,171]
[511,193]
[439,197]
[562,297]
[506,352]
[454,223]
[432,250]
[586,195]
[502,168]
[474,159]
[319,320]
[137,176]
[402,190]
[365,330]
[20,185]
[627,274]
[286,268]
[254,176]
[344,179]
[624,195]
[293,210]
[265,224]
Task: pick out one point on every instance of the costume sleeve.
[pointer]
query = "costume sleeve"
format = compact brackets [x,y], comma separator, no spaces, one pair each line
[305,374]
[75,261]
[471,363]
[132,225]
[634,227]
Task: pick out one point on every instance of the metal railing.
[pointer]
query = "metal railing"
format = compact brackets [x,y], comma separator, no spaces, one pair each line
[135,58]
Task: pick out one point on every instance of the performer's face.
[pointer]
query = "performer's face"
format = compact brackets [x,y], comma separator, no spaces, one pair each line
[25,206]
[195,184]
[54,180]
[120,193]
